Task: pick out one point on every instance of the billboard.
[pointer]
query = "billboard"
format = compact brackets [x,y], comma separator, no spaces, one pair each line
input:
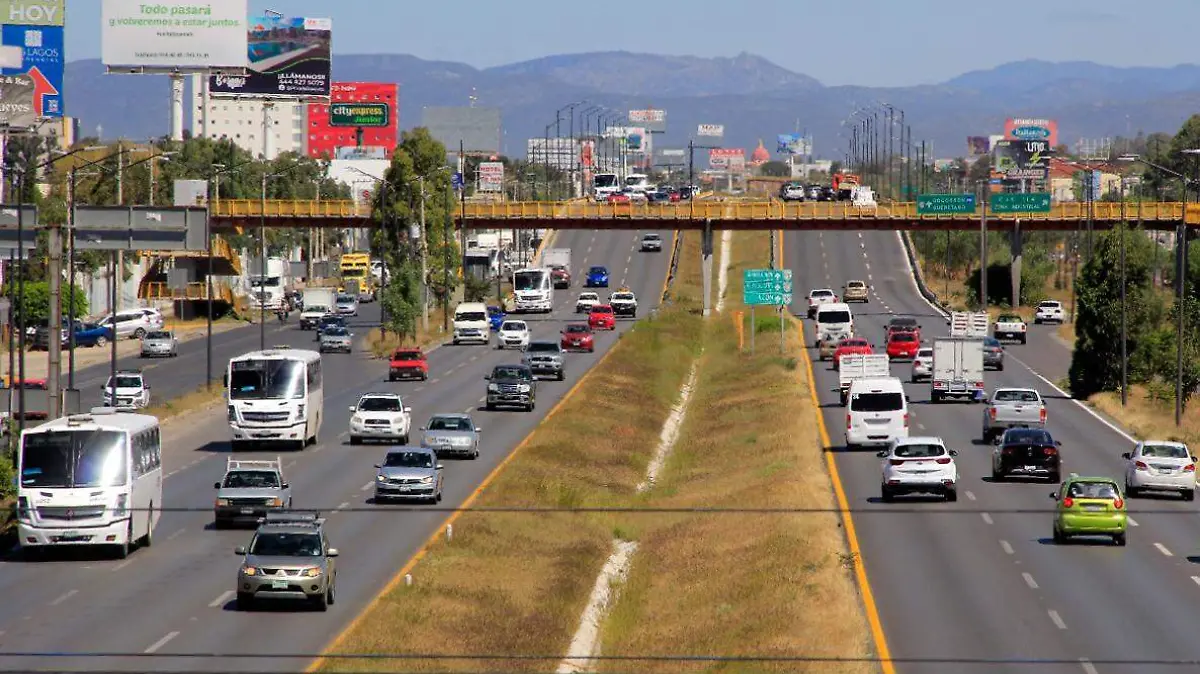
[187,36]
[491,176]
[587,154]
[977,146]
[359,114]
[654,121]
[1018,128]
[1022,160]
[711,130]
[726,157]
[793,144]
[31,61]
[477,128]
[289,57]
[367,100]
[559,153]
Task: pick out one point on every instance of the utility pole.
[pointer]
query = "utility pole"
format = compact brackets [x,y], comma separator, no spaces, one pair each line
[983,247]
[54,344]
[424,264]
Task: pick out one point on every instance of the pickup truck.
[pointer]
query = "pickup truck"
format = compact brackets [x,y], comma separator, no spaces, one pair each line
[408,363]
[624,303]
[249,490]
[1012,408]
[1010,326]
[856,366]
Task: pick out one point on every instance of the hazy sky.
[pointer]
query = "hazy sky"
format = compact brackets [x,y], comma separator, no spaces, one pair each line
[864,42]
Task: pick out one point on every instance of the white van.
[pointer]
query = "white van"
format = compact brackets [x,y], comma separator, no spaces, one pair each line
[876,412]
[471,323]
[835,322]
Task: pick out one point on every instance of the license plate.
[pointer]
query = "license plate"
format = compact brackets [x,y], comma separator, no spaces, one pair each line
[67,535]
[1031,468]
[1093,508]
[247,511]
[403,488]
[279,584]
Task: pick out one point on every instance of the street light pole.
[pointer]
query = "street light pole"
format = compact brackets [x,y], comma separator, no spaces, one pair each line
[262,271]
[1124,313]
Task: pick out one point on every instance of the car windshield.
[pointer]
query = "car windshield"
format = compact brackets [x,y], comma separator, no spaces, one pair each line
[918,451]
[904,337]
[602,309]
[344,299]
[406,355]
[575,329]
[1028,436]
[821,293]
[597,270]
[286,544]
[267,379]
[992,342]
[1082,489]
[81,458]
[251,479]
[1164,452]
[510,373]
[495,311]
[470,316]
[877,402]
[837,316]
[408,460]
[650,237]
[449,424]
[158,334]
[1015,397]
[513,326]
[336,331]
[126,382]
[380,404]
[622,297]
[542,346]
[588,297]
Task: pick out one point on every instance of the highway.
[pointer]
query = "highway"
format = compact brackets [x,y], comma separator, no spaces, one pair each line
[177,596]
[967,580]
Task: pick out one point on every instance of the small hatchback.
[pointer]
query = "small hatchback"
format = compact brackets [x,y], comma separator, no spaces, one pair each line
[1089,506]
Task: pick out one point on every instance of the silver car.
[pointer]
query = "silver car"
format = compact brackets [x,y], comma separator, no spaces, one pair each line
[289,558]
[409,473]
[545,358]
[452,434]
[993,353]
[250,490]
[347,305]
[336,339]
[159,343]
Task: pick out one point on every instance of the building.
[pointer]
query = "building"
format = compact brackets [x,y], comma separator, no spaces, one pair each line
[1066,179]
[332,132]
[243,120]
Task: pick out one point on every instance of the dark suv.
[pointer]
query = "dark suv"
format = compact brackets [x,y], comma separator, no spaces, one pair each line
[1027,452]
[511,386]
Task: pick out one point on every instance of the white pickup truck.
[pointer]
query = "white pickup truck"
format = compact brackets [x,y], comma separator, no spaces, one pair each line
[1013,408]
[1010,326]
[861,366]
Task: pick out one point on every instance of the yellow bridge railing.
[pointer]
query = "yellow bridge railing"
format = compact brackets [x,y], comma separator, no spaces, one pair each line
[289,208]
[194,291]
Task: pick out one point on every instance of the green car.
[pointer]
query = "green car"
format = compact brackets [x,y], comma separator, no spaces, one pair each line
[1089,506]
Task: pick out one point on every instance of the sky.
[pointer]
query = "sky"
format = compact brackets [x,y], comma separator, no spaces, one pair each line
[877,43]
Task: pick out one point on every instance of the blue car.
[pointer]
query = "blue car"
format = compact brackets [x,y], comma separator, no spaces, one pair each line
[496,316]
[90,334]
[597,277]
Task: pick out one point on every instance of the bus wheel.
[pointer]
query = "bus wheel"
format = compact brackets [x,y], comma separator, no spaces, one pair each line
[123,548]
[148,539]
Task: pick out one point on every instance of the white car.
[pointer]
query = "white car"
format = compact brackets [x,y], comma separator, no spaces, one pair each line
[512,335]
[919,465]
[585,302]
[380,416]
[134,323]
[131,389]
[1160,465]
[1049,311]
[817,297]
[922,366]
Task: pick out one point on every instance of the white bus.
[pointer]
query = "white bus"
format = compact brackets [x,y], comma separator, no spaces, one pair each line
[533,290]
[275,396]
[90,479]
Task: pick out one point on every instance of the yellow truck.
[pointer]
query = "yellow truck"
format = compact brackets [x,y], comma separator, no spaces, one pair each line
[356,276]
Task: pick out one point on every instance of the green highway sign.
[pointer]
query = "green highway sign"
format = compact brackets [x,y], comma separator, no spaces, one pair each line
[766,276]
[359,114]
[945,204]
[773,299]
[1032,202]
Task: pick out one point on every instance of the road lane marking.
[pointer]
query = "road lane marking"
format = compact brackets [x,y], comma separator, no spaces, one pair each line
[970,494]
[366,486]
[170,474]
[123,565]
[1008,548]
[222,598]
[1088,667]
[987,518]
[343,505]
[1196,580]
[1163,549]
[1132,522]
[1057,619]
[161,642]
[434,381]
[1030,581]
[62,598]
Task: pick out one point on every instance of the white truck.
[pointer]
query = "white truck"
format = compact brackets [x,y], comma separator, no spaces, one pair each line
[605,184]
[558,261]
[958,361]
[266,291]
[1010,326]
[317,303]
[533,291]
[859,366]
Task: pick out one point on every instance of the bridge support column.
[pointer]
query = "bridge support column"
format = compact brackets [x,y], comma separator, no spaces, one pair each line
[706,263]
[1017,246]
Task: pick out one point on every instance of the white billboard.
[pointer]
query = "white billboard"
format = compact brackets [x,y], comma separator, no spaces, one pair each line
[560,153]
[491,176]
[655,121]
[712,130]
[192,36]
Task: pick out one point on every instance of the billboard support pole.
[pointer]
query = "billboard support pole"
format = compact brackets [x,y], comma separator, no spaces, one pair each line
[176,109]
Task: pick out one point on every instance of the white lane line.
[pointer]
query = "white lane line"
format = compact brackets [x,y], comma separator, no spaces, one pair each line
[1088,667]
[175,535]
[343,505]
[175,471]
[222,598]
[872,278]
[861,236]
[366,486]
[123,564]
[867,265]
[863,245]
[1132,522]
[970,495]
[921,426]
[434,381]
[469,410]
[1196,580]
[987,518]
[1030,581]
[483,399]
[61,599]
[1008,548]
[1057,619]
[161,642]
[1163,549]
[418,389]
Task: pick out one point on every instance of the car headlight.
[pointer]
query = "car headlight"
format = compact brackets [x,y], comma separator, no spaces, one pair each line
[122,503]
[222,502]
[427,480]
[493,388]
[232,413]
[524,388]
[249,571]
[380,478]
[356,419]
[276,502]
[300,412]
[311,572]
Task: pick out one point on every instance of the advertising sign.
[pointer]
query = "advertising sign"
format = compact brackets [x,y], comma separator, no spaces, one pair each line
[359,114]
[711,130]
[793,144]
[289,57]
[560,153]
[1022,160]
[635,140]
[977,146]
[491,176]
[1018,128]
[364,152]
[587,153]
[31,61]
[725,157]
[654,121]
[190,36]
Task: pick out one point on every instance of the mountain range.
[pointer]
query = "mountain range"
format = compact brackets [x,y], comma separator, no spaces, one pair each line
[752,97]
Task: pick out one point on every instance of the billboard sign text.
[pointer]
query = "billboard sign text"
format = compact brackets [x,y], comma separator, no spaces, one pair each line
[726,157]
[187,35]
[654,121]
[359,114]
[289,57]
[1017,128]
[491,176]
[711,130]
[1023,160]
[31,61]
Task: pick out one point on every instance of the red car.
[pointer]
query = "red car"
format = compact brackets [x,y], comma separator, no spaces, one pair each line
[408,363]
[854,346]
[903,346]
[560,277]
[618,198]
[673,197]
[602,318]
[578,337]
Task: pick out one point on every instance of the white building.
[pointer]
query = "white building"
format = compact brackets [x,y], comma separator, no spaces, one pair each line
[244,120]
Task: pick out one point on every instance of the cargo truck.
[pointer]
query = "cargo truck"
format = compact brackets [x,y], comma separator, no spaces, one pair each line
[861,366]
[958,359]
[317,303]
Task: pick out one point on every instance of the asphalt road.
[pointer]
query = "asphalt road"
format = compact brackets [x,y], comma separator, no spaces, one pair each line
[968,580]
[177,596]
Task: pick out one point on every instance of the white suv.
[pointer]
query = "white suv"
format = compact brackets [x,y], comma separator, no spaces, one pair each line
[134,323]
[919,466]
[512,335]
[1050,311]
[380,416]
[922,367]
[132,390]
[585,302]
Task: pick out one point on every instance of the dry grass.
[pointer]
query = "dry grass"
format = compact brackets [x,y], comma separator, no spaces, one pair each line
[1147,418]
[517,583]
[187,403]
[770,584]
[382,346]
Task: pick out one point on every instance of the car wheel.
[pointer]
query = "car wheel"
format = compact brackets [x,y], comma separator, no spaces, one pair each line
[332,594]
[123,549]
[139,333]
[404,439]
[475,454]
[1055,477]
[488,407]
[321,601]
[561,375]
[1024,340]
[1059,537]
[951,495]
[1131,491]
[1119,539]
[1000,367]
[886,494]
[391,378]
[438,497]
[1189,495]
[245,601]
[148,539]
[997,476]
[355,440]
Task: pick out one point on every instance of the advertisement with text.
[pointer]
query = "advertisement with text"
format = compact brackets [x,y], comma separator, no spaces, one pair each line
[288,57]
[191,36]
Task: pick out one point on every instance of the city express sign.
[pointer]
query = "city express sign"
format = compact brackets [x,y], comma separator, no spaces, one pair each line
[1017,128]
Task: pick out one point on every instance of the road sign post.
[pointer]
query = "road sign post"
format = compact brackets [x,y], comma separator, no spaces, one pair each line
[946,204]
[766,287]
[1030,202]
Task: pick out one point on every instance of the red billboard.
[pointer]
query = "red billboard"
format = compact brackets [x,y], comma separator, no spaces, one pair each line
[327,140]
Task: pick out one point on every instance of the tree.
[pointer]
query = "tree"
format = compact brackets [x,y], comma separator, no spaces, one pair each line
[36,303]
[776,169]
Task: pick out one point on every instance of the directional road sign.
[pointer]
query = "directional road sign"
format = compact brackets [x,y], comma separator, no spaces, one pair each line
[1014,202]
[773,299]
[769,287]
[771,275]
[945,204]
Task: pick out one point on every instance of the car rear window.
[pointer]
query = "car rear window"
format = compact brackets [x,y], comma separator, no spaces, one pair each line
[821,293]
[577,328]
[854,342]
[1028,436]
[877,402]
[1106,490]
[904,337]
[1009,318]
[1164,452]
[1016,397]
[925,353]
[407,355]
[902,322]
[833,317]
[918,451]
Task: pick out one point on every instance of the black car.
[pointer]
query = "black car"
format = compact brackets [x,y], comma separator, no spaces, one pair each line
[328,321]
[901,324]
[1027,452]
[658,197]
[685,192]
[511,386]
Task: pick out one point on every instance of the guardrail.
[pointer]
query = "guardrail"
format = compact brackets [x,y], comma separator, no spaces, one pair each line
[195,291]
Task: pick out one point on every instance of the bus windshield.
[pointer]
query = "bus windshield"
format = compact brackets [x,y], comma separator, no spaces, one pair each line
[605,180]
[266,379]
[79,459]
[528,280]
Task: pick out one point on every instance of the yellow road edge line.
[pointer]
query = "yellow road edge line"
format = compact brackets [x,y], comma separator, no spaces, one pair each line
[470,500]
[860,569]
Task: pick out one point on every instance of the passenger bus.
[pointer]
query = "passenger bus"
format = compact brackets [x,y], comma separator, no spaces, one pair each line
[275,397]
[91,479]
